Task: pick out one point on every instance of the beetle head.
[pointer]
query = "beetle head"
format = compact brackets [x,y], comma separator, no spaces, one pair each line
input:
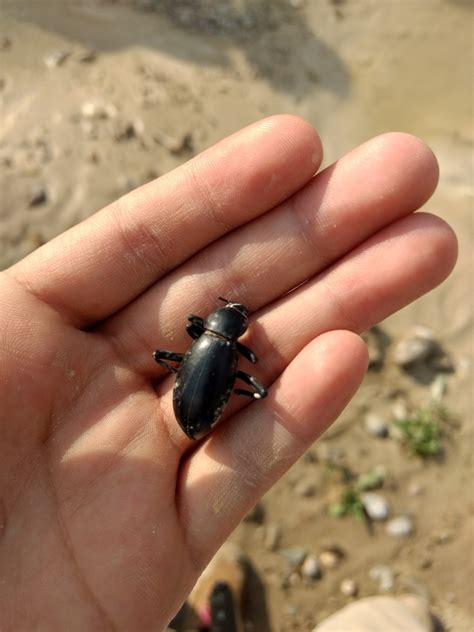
[230,321]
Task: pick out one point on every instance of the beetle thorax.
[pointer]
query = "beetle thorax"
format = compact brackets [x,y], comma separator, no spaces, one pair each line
[228,322]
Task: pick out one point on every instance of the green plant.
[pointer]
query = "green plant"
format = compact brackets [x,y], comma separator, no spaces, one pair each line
[349,504]
[423,431]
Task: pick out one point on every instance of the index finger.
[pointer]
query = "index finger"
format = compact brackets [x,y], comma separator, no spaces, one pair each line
[97,267]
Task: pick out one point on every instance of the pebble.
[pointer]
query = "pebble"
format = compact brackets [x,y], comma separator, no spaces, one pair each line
[376,425]
[349,588]
[39,196]
[425,563]
[86,56]
[376,506]
[256,514]
[382,613]
[272,536]
[56,57]
[400,527]
[311,568]
[306,489]
[124,130]
[95,110]
[384,576]
[438,388]
[400,410]
[295,555]
[415,348]
[415,489]
[331,557]
[174,145]
[5,43]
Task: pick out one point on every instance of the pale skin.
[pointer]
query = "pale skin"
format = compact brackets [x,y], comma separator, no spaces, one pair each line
[108,512]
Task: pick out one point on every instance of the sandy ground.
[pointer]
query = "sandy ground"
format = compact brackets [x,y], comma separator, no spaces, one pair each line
[98,97]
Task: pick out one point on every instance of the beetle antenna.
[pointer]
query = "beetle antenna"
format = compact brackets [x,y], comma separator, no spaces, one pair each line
[223,299]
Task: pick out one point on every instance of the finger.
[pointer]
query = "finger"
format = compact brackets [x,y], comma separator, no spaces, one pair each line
[391,270]
[348,202]
[103,263]
[399,264]
[235,466]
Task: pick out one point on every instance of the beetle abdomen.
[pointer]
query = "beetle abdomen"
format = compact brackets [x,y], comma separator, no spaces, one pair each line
[204,384]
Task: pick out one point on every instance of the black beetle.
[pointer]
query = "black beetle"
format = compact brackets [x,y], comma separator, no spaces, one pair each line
[207,371]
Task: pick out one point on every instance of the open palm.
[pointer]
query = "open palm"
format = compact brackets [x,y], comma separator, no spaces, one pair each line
[108,512]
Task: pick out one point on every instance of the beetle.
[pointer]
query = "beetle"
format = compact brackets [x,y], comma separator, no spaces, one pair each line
[206,373]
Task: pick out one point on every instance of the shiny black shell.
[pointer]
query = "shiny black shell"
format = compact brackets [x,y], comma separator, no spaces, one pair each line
[204,383]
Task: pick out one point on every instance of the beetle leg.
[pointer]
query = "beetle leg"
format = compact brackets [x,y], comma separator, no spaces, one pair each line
[259,391]
[195,327]
[196,320]
[194,331]
[246,352]
[161,356]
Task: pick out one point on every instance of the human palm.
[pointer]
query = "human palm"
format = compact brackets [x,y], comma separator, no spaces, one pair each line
[108,512]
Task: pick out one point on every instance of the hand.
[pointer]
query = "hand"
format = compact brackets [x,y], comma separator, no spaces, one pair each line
[108,511]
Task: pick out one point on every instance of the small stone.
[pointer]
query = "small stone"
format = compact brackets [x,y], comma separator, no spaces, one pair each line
[376,425]
[124,130]
[56,58]
[384,576]
[174,145]
[415,489]
[381,613]
[256,514]
[295,555]
[95,110]
[294,579]
[138,126]
[331,557]
[438,388]
[417,348]
[349,588]
[38,197]
[86,56]
[311,568]
[92,156]
[5,43]
[444,537]
[272,536]
[376,506]
[306,489]
[400,527]
[426,563]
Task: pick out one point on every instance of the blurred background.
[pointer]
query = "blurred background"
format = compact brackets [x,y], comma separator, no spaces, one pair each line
[100,96]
